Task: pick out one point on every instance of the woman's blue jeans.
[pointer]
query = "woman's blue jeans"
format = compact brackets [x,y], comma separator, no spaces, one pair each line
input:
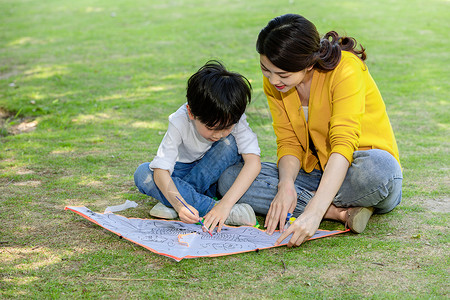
[197,181]
[374,179]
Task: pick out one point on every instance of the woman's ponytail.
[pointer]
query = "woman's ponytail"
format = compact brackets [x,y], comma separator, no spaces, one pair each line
[331,44]
[329,53]
[350,44]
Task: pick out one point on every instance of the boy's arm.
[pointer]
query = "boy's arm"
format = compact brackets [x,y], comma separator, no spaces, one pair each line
[220,212]
[166,185]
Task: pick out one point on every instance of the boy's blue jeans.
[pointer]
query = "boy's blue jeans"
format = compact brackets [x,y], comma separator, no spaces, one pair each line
[374,179]
[197,181]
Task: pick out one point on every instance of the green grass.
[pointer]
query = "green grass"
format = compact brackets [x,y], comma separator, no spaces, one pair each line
[100,79]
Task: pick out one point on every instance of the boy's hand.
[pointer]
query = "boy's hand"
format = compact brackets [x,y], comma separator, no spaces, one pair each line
[186,216]
[217,216]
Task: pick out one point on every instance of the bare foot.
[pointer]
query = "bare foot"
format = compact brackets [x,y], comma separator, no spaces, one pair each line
[336,213]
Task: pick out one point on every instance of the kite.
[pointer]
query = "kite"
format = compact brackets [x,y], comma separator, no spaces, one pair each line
[178,240]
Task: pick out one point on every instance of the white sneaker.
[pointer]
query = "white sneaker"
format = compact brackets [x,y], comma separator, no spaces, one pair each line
[164,212]
[241,214]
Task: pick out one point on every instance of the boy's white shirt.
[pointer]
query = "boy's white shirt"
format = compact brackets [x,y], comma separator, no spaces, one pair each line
[184,144]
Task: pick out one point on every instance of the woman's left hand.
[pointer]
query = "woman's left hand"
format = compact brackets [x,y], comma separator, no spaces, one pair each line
[303,228]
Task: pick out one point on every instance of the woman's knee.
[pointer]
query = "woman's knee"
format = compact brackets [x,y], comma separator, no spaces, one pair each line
[393,199]
[375,166]
[267,176]
[374,179]
[228,177]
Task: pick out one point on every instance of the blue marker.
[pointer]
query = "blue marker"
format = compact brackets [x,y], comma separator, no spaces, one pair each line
[289,215]
[289,220]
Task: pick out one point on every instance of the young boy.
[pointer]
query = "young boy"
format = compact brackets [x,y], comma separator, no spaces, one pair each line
[204,137]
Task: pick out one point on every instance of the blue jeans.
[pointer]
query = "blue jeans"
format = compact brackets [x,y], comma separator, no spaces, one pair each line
[196,181]
[374,179]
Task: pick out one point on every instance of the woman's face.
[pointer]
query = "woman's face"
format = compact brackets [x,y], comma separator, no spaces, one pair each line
[282,80]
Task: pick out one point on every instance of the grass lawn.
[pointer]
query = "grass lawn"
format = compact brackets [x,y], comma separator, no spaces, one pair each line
[85,91]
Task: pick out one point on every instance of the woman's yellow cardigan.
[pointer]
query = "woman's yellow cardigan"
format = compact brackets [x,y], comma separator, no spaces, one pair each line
[346,113]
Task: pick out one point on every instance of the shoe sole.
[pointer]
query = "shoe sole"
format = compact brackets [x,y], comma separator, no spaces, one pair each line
[163,212]
[358,221]
[249,212]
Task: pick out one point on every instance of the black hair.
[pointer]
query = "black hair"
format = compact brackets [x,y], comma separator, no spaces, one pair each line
[217,97]
[292,43]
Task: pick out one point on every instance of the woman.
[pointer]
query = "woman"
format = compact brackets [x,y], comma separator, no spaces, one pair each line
[337,154]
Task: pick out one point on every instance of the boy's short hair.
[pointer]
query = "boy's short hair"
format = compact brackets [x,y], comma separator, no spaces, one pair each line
[217,97]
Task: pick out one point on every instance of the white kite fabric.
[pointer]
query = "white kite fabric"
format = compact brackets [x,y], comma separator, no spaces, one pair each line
[178,240]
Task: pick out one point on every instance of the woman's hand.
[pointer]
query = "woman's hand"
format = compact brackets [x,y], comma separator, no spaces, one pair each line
[308,222]
[303,228]
[286,197]
[283,203]
[217,216]
[186,216]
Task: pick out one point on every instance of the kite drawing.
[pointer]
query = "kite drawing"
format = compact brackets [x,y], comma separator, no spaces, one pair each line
[178,240]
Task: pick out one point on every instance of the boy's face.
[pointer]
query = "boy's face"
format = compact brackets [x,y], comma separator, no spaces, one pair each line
[211,134]
[208,133]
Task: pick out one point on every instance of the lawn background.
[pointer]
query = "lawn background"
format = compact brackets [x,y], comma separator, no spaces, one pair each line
[99,78]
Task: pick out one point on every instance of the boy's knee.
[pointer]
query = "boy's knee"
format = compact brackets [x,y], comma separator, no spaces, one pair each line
[229,140]
[228,143]
[225,151]
[143,175]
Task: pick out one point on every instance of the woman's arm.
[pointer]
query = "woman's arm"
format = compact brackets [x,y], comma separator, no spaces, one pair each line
[220,212]
[308,222]
[167,187]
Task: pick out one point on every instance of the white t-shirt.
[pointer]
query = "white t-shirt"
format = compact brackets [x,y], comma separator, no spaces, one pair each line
[183,143]
[305,111]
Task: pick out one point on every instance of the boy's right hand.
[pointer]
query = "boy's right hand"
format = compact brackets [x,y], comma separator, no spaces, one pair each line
[187,217]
